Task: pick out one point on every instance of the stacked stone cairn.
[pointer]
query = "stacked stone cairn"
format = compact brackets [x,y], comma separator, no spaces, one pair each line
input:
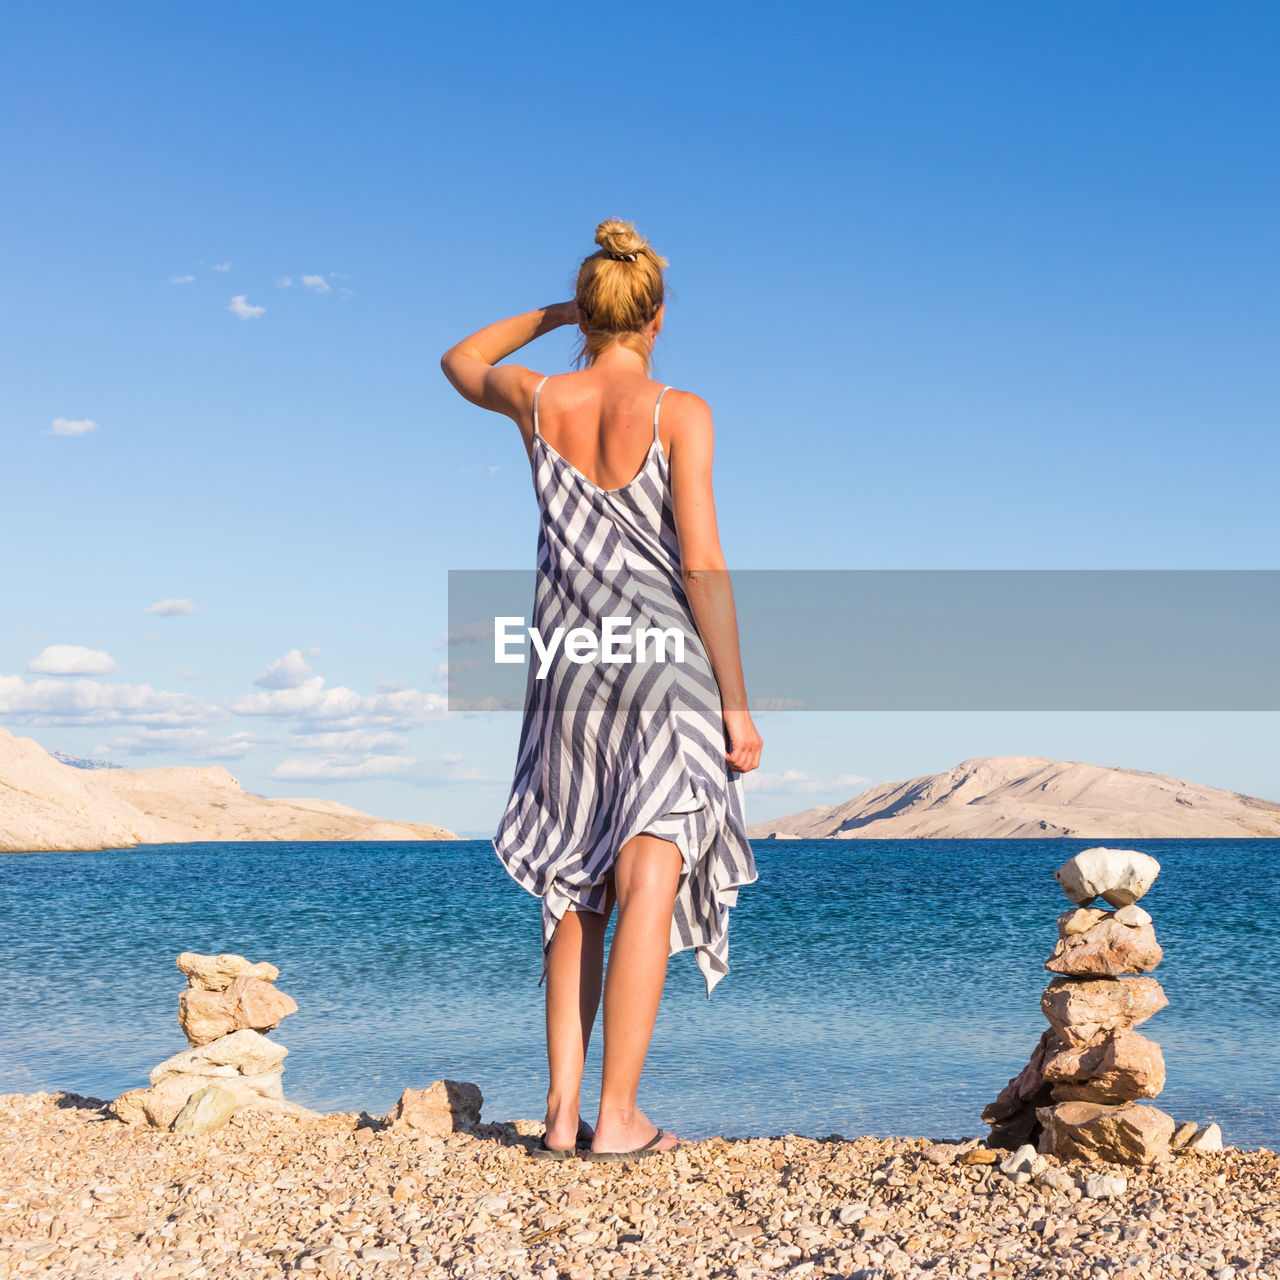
[226,1007]
[1080,1094]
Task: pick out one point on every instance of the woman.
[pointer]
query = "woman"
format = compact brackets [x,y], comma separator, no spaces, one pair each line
[627,787]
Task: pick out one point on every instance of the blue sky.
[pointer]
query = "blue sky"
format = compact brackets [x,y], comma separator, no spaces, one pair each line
[966,286]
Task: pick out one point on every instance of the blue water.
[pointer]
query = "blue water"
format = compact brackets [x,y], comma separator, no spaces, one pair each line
[878,987]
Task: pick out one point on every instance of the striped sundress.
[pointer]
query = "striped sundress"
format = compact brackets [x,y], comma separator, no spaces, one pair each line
[609,751]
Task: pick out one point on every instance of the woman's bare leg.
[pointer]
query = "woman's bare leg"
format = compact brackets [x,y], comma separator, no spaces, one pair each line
[645,878]
[575,962]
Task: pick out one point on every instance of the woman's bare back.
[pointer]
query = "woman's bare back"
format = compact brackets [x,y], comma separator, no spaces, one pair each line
[601,426]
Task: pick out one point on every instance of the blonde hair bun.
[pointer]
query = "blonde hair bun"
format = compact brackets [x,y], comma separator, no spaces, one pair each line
[619,290]
[617,237]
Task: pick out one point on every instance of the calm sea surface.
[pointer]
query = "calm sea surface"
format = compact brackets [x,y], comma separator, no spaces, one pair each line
[878,987]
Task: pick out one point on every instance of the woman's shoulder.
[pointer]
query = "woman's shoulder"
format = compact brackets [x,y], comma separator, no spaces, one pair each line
[688,401]
[685,428]
[685,410]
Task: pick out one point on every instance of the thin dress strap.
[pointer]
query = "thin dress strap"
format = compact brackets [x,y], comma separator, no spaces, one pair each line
[656,407]
[536,389]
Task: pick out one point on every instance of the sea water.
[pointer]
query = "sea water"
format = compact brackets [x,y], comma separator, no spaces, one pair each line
[884,987]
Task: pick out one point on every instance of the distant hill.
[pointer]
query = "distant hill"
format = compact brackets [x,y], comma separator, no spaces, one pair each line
[84,762]
[44,805]
[1029,796]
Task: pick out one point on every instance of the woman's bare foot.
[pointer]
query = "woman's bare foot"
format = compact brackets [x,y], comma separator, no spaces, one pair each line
[628,1133]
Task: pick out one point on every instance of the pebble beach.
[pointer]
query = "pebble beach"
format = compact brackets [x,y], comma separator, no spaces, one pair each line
[84,1195]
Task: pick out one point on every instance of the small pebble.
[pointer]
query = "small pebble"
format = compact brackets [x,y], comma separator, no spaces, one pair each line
[1104,1186]
[1207,1139]
[1054,1179]
[1184,1133]
[379,1255]
[1021,1161]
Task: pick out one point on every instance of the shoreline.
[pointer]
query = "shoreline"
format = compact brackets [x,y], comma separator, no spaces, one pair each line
[143,845]
[760,841]
[340,1195]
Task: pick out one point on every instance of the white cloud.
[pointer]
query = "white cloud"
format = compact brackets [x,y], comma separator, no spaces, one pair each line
[306,738]
[170,608]
[467,633]
[71,426]
[284,282]
[181,279]
[244,309]
[797,782]
[342,707]
[85,701]
[285,673]
[342,768]
[72,660]
[185,672]
[189,743]
[222,266]
[318,283]
[356,764]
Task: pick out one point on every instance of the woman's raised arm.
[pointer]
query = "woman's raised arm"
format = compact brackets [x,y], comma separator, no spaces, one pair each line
[472,364]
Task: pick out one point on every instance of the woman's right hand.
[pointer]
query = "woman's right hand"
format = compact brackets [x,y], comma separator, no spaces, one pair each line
[743,741]
[562,313]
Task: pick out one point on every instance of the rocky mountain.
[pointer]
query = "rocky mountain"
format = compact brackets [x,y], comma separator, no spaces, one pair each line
[83,762]
[44,805]
[1029,796]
